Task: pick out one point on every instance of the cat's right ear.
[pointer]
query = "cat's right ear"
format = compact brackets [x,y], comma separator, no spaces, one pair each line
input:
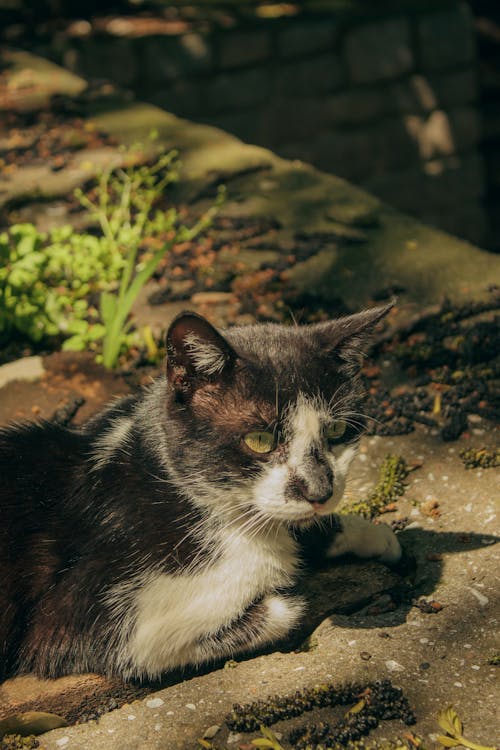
[196,353]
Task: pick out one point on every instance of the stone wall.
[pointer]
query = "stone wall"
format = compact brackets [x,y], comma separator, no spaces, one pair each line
[385,98]
[487,22]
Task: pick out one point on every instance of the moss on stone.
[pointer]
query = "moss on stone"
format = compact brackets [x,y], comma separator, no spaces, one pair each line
[391,485]
[18,742]
[480,458]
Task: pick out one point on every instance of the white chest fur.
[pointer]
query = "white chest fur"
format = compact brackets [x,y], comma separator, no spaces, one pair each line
[173,613]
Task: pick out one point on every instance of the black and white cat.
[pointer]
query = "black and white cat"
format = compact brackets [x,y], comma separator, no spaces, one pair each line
[167,531]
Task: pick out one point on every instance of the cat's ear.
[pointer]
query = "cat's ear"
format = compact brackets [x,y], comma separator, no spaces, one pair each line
[196,352]
[349,338]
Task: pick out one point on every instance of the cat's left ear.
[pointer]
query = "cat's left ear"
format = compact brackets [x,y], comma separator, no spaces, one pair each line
[196,352]
[349,338]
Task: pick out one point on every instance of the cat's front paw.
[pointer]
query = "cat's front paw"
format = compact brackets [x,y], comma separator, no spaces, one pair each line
[366,540]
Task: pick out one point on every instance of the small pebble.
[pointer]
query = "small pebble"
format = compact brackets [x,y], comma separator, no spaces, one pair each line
[191,706]
[154,703]
[62,741]
[365,656]
[425,665]
[394,666]
[482,599]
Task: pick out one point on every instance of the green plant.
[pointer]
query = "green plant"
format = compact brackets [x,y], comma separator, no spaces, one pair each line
[81,287]
[124,208]
[391,485]
[46,280]
[450,722]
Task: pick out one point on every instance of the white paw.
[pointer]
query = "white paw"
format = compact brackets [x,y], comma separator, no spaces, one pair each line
[283,613]
[366,540]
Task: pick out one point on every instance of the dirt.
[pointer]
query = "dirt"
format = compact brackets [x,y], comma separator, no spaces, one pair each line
[69,378]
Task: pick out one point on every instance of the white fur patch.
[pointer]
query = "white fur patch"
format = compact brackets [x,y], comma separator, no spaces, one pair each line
[206,357]
[112,439]
[365,539]
[173,620]
[305,428]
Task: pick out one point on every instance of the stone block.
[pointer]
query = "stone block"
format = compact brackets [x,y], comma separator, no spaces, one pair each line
[490,112]
[108,57]
[393,147]
[316,75]
[346,153]
[355,106]
[165,58]
[183,98]
[294,118]
[302,38]
[455,87]
[454,181]
[239,48]
[379,51]
[246,125]
[446,37]
[231,91]
[466,127]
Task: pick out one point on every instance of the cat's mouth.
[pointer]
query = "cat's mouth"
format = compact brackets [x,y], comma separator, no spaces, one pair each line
[308,513]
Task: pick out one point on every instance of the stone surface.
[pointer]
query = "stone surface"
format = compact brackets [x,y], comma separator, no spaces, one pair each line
[229,91]
[118,60]
[446,37]
[377,51]
[408,60]
[168,58]
[319,74]
[237,48]
[28,369]
[306,37]
[302,115]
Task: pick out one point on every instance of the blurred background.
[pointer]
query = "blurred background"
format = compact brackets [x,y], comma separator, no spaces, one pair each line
[401,98]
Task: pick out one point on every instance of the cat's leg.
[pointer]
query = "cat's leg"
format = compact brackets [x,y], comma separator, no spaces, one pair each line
[364,539]
[264,622]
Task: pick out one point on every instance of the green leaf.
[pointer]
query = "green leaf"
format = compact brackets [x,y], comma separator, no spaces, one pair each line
[107,305]
[262,742]
[445,720]
[356,708]
[448,741]
[74,344]
[455,719]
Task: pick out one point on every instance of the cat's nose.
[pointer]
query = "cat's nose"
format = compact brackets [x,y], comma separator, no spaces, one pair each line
[314,495]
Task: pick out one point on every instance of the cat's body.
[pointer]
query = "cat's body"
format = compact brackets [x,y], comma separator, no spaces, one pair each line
[167,531]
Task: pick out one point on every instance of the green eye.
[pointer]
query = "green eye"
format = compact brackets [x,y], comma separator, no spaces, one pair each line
[260,442]
[336,430]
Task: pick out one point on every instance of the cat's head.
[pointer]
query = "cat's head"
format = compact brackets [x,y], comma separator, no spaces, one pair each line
[264,420]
